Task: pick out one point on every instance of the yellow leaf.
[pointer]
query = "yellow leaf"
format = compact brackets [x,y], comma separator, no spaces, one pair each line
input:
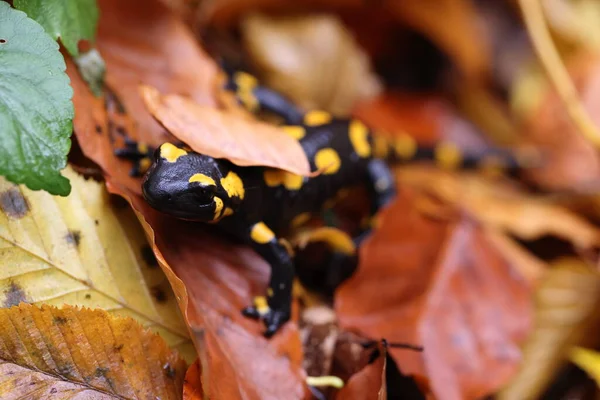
[588,360]
[566,314]
[312,59]
[83,250]
[69,353]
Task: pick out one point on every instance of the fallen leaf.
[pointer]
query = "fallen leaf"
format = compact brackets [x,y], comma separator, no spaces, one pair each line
[192,385]
[565,315]
[70,353]
[142,42]
[83,250]
[221,278]
[502,207]
[369,383]
[440,284]
[217,134]
[312,59]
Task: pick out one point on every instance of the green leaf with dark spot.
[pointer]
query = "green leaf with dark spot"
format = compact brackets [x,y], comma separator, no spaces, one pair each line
[36,111]
[71,20]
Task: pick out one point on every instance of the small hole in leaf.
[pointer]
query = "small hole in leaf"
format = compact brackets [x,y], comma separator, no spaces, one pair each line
[2,40]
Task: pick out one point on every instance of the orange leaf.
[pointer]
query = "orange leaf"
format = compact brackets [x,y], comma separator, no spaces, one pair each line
[220,135]
[141,42]
[71,352]
[192,385]
[442,285]
[368,383]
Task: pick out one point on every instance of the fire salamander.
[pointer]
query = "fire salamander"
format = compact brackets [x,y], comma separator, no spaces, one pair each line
[256,204]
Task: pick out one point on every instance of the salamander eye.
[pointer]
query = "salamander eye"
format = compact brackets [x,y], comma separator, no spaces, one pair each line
[204,193]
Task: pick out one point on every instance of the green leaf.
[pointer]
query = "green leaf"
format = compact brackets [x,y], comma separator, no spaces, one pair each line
[36,110]
[92,69]
[71,20]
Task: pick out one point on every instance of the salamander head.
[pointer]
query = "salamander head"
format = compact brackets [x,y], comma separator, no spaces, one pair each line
[186,185]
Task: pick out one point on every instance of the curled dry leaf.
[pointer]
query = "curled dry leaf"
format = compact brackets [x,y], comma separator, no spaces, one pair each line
[83,250]
[369,383]
[73,353]
[142,42]
[566,314]
[440,284]
[313,59]
[192,385]
[501,207]
[221,277]
[217,134]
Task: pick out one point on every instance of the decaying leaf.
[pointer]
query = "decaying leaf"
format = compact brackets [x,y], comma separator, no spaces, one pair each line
[565,315]
[220,135]
[368,383]
[313,59]
[78,353]
[192,385]
[82,250]
[441,284]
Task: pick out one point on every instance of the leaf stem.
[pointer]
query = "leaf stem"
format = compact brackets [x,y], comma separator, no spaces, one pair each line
[555,69]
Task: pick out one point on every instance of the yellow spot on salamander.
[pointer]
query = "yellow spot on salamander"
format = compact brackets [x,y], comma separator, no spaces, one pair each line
[317,117]
[336,239]
[448,156]
[142,147]
[245,81]
[381,146]
[171,153]
[145,164]
[295,131]
[359,133]
[260,302]
[269,292]
[300,220]
[405,146]
[218,208]
[276,177]
[228,211]
[325,381]
[233,185]
[261,233]
[203,179]
[328,161]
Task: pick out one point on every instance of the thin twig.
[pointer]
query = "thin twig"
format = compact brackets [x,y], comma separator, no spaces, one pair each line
[548,55]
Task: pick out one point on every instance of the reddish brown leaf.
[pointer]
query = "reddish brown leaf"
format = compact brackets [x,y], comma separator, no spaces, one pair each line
[221,279]
[216,133]
[192,385]
[440,284]
[368,383]
[141,42]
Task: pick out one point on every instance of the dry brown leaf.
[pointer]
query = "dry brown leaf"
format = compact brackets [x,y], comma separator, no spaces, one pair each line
[217,134]
[192,385]
[502,207]
[441,284]
[312,59]
[73,353]
[83,250]
[566,315]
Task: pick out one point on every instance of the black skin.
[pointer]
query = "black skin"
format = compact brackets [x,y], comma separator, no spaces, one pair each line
[167,188]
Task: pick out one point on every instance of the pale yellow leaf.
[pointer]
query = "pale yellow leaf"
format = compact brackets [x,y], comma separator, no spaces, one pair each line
[566,314]
[83,250]
[73,353]
[312,59]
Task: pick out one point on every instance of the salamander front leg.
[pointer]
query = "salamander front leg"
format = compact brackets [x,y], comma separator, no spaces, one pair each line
[274,308]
